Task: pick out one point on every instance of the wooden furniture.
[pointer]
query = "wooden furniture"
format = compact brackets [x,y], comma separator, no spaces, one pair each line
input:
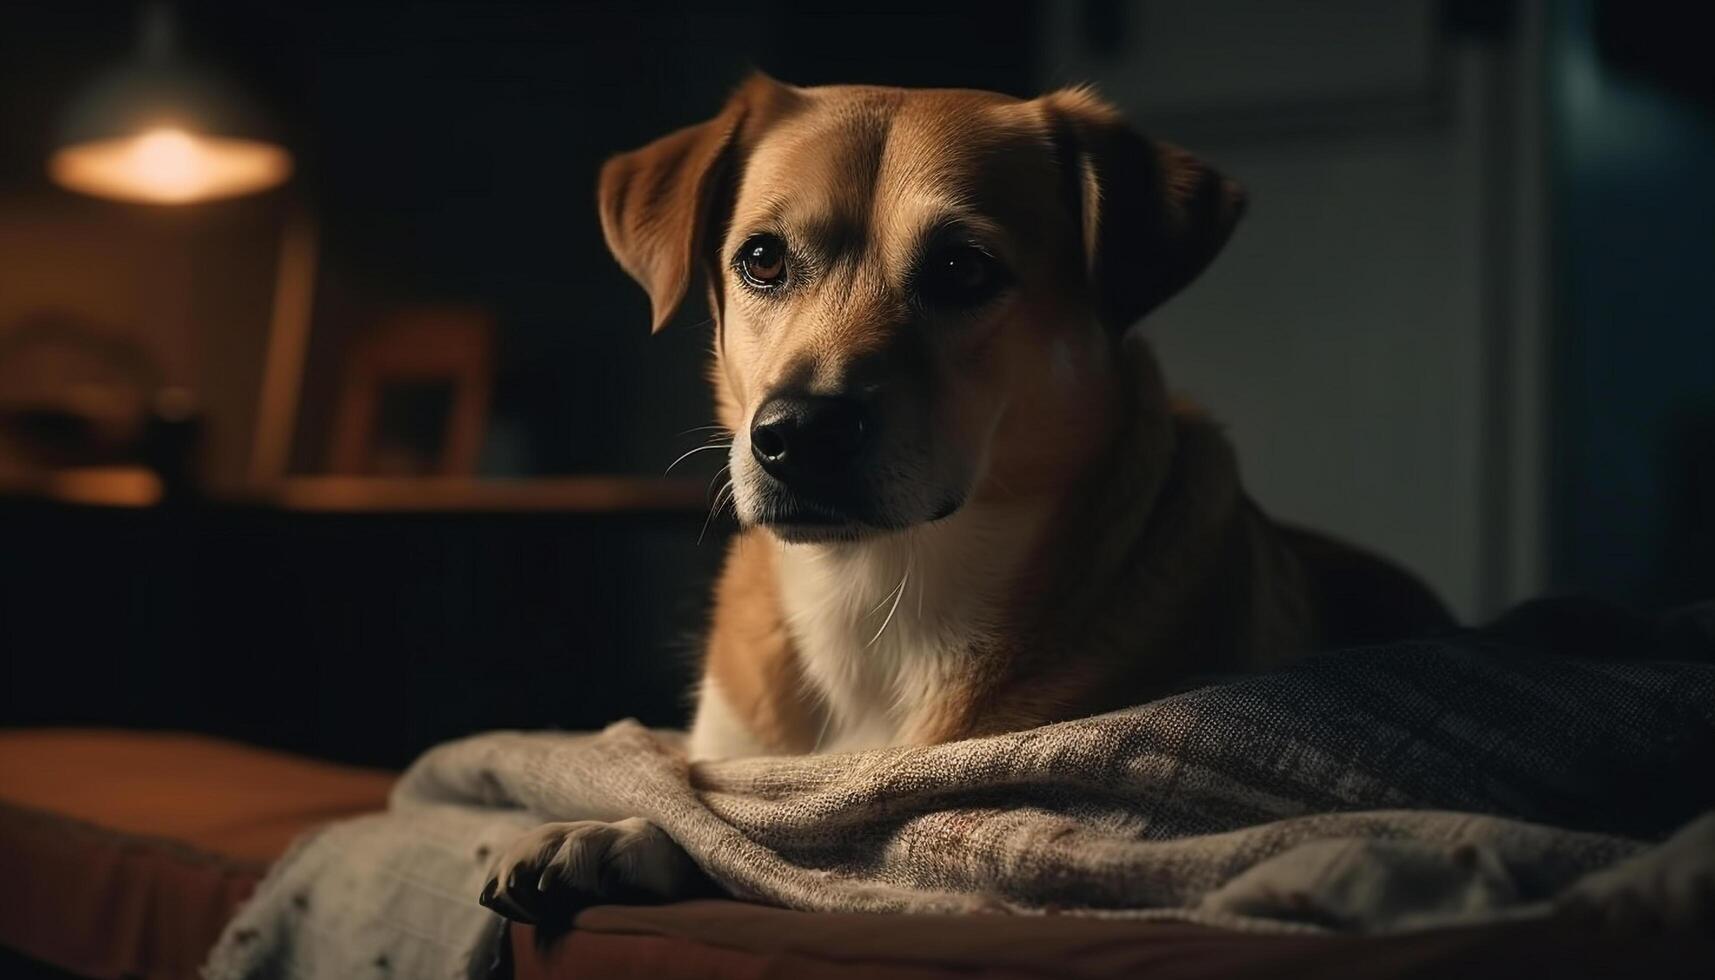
[125,852]
[136,486]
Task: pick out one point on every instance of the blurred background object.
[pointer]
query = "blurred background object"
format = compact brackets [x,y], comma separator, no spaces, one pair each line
[70,395]
[1466,321]
[157,131]
[414,400]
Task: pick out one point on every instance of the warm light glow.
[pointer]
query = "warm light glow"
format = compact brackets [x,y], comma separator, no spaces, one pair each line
[170,166]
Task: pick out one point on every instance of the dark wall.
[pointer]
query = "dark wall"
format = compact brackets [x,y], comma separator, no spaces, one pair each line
[451,149]
[1633,421]
[364,638]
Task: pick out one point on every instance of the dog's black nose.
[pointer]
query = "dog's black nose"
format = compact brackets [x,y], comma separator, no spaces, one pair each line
[800,437]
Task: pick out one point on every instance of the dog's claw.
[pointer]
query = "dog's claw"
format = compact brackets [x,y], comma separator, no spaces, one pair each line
[580,863]
[502,904]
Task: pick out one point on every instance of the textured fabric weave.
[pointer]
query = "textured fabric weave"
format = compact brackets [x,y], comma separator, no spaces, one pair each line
[1418,784]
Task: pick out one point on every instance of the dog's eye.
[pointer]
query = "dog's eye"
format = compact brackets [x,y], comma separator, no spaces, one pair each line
[762,261]
[959,277]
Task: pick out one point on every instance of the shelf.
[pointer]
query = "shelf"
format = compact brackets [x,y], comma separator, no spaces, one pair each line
[576,494]
[136,487]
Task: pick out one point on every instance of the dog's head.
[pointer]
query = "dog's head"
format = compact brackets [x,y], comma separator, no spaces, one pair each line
[916,293]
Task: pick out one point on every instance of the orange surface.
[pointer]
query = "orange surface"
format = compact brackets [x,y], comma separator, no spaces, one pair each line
[123,854]
[724,940]
[217,796]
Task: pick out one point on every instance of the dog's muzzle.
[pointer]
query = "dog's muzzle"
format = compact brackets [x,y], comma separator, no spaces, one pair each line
[807,440]
[812,447]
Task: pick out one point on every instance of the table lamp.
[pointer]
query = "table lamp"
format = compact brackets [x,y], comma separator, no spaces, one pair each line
[159,130]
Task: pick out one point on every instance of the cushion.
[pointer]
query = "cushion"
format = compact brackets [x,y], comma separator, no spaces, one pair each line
[124,853]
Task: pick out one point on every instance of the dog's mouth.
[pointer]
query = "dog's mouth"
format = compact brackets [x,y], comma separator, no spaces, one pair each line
[800,521]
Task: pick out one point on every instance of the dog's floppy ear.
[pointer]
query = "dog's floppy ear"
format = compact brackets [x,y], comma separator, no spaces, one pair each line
[658,203]
[1153,216]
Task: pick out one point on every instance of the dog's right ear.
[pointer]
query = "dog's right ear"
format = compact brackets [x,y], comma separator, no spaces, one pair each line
[658,203]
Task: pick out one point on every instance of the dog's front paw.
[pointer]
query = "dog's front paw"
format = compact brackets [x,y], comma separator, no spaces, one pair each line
[558,868]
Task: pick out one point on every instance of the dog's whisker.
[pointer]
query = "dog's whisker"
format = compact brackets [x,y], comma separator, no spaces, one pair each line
[709,493]
[899,593]
[703,428]
[922,583]
[884,599]
[693,452]
[714,510]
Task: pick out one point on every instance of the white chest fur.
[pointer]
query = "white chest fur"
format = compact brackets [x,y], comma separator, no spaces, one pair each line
[886,628]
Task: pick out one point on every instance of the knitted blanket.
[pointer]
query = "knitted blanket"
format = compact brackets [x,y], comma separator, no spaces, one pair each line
[1448,781]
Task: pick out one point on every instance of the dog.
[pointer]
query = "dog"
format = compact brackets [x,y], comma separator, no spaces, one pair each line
[968,504]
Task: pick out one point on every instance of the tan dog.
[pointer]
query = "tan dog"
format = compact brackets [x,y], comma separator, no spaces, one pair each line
[969,507]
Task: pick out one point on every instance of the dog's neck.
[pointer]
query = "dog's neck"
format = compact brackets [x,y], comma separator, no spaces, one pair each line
[885,626]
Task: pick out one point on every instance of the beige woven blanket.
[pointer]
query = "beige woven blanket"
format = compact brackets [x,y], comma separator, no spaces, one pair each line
[1373,791]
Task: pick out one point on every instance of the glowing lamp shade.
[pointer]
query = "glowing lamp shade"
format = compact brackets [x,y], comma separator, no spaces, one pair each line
[157,131]
[166,165]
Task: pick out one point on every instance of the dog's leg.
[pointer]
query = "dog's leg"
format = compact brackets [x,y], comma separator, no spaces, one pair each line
[549,873]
